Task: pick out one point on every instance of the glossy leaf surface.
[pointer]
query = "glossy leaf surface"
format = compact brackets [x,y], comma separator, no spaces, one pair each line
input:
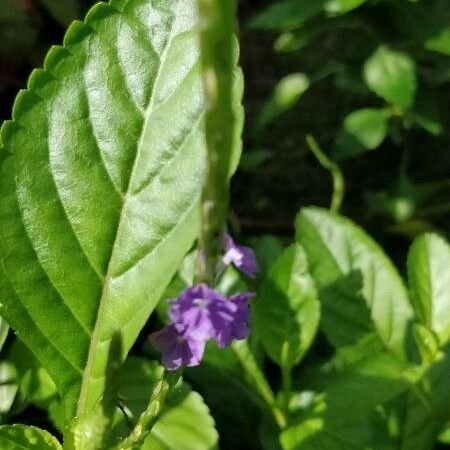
[100,186]
[359,288]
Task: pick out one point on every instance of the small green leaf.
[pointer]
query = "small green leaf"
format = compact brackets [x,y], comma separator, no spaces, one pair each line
[364,129]
[429,280]
[20,437]
[286,313]
[359,287]
[392,76]
[287,14]
[342,6]
[287,92]
[368,126]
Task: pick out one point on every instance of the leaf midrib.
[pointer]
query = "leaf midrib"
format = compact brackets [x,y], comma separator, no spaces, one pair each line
[85,384]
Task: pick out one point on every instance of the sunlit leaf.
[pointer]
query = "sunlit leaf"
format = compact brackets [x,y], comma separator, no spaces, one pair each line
[368,126]
[100,186]
[359,288]
[342,6]
[20,437]
[392,76]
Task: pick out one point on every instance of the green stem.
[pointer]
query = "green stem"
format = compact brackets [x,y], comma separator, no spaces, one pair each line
[335,171]
[217,26]
[258,380]
[150,416]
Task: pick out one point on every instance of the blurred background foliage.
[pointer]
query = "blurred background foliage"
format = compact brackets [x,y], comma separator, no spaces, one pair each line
[368,79]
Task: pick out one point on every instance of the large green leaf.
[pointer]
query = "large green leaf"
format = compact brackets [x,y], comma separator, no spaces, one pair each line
[359,287]
[286,313]
[392,76]
[100,186]
[19,437]
[429,280]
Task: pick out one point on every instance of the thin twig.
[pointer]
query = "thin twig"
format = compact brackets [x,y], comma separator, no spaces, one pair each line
[338,178]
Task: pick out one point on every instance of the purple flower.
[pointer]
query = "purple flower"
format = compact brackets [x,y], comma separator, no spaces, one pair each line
[199,314]
[243,258]
[238,327]
[177,350]
[207,314]
[200,308]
